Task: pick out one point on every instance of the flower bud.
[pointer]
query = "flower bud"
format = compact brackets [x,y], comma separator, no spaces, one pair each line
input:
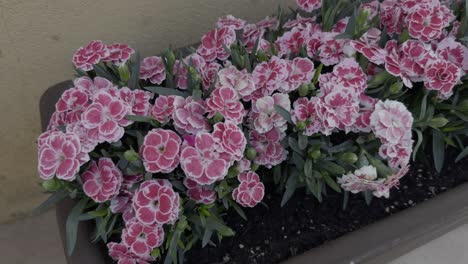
[218,117]
[124,72]
[233,172]
[131,155]
[254,167]
[170,58]
[437,122]
[314,154]
[301,125]
[250,153]
[303,90]
[261,56]
[348,157]
[396,87]
[463,106]
[51,185]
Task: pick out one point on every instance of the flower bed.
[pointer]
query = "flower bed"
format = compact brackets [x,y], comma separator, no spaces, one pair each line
[321,103]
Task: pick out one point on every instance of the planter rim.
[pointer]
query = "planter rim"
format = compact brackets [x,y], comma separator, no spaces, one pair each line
[380,242]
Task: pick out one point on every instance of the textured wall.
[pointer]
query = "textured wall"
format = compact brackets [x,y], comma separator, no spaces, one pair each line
[37,39]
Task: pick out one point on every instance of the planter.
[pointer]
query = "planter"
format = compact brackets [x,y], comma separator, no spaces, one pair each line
[379,242]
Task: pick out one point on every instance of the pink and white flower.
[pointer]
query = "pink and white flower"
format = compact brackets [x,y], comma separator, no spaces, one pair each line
[204,162]
[102,180]
[270,152]
[60,155]
[213,42]
[425,22]
[304,110]
[268,23]
[264,115]
[123,255]
[106,116]
[142,239]
[231,139]
[363,179]
[164,107]
[442,76]
[92,86]
[270,75]
[309,5]
[230,21]
[137,101]
[160,150]
[199,193]
[119,53]
[301,71]
[226,102]
[153,69]
[250,191]
[453,51]
[391,16]
[155,202]
[86,57]
[241,81]
[391,121]
[350,75]
[189,117]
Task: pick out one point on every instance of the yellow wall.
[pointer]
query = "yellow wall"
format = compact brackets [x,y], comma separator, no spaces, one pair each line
[37,39]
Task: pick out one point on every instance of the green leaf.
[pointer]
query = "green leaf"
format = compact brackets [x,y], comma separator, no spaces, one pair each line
[291,186]
[206,237]
[462,154]
[302,141]
[308,166]
[284,113]
[294,145]
[50,202]
[71,226]
[422,113]
[330,182]
[438,122]
[332,167]
[438,149]
[135,72]
[144,119]
[418,143]
[239,211]
[166,91]
[102,72]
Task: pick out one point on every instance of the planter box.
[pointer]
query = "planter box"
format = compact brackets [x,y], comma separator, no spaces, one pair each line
[377,243]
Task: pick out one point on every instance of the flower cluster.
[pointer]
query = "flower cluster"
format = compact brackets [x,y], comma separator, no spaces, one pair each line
[169,144]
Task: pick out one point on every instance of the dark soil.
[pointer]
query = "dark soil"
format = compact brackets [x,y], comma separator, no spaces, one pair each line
[275,234]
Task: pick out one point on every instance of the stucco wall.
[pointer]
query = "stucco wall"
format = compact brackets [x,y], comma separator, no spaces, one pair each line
[37,39]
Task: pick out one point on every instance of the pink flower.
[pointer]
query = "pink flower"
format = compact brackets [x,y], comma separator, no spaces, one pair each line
[398,155]
[442,76]
[88,139]
[59,155]
[142,239]
[268,23]
[425,23]
[264,115]
[102,180]
[164,107]
[453,51]
[106,115]
[383,190]
[137,101]
[304,110]
[309,5]
[391,16]
[208,74]
[270,152]
[213,42]
[230,21]
[204,162]
[72,100]
[199,193]
[153,69]
[367,105]
[363,179]
[123,255]
[189,117]
[250,191]
[225,101]
[241,81]
[231,139]
[270,75]
[392,62]
[119,53]
[391,121]
[91,87]
[324,47]
[350,75]
[251,34]
[301,71]
[192,60]
[160,150]
[340,25]
[414,56]
[155,202]
[85,57]
[368,47]
[292,41]
[243,165]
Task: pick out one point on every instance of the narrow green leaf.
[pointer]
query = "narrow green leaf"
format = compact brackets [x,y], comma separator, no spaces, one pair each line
[418,143]
[135,72]
[438,149]
[294,145]
[462,154]
[284,113]
[166,91]
[330,182]
[50,202]
[332,167]
[302,141]
[308,166]
[291,186]
[239,211]
[206,237]
[71,226]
